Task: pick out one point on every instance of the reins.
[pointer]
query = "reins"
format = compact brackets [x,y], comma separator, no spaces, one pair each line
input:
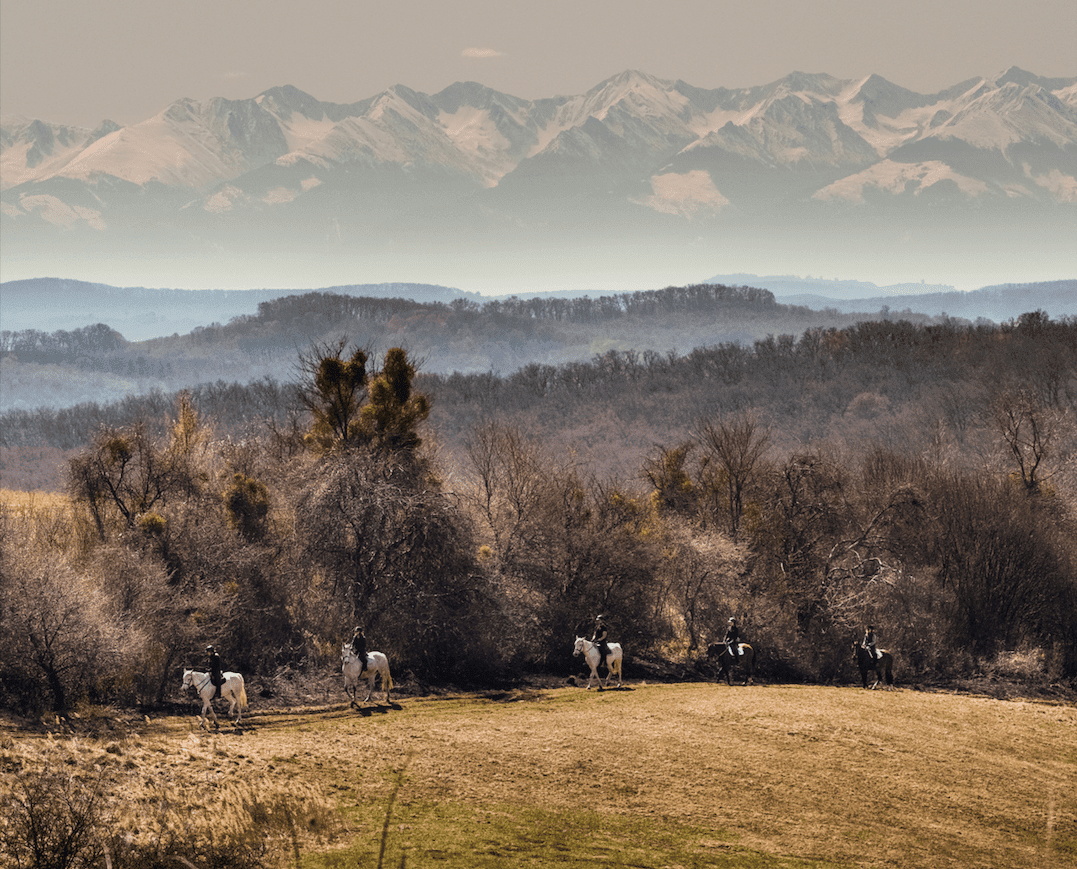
[204,684]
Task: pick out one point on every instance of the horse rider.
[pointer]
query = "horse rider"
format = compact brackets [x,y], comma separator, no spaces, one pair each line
[358,645]
[216,676]
[732,638]
[599,638]
[869,643]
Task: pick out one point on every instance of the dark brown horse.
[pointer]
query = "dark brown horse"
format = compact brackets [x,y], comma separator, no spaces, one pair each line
[882,666]
[746,659]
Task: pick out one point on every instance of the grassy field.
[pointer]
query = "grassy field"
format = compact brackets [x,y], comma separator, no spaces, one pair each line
[682,775]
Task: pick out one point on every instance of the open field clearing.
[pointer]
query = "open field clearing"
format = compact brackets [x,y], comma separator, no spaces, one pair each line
[681,775]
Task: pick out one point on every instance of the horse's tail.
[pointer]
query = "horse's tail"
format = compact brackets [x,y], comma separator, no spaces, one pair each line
[388,680]
[243,704]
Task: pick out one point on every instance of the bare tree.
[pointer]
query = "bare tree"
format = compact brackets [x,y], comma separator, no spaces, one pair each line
[58,627]
[511,476]
[733,449]
[1028,429]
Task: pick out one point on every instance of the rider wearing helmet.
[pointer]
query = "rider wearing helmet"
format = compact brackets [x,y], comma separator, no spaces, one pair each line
[358,645]
[216,677]
[599,638]
[869,643]
[732,638]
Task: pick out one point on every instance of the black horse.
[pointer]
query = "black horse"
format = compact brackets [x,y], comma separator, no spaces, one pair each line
[882,666]
[746,658]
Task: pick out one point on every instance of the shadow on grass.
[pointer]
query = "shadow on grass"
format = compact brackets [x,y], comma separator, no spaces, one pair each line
[378,709]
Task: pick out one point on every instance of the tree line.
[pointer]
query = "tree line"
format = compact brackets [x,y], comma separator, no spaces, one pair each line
[462,521]
[65,368]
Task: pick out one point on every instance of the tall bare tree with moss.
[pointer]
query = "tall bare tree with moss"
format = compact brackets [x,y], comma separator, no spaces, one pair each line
[353,407]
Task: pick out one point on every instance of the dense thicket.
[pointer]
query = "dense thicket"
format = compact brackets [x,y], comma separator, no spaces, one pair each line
[920,477]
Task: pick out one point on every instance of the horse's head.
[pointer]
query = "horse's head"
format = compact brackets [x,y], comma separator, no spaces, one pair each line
[188,678]
[578,647]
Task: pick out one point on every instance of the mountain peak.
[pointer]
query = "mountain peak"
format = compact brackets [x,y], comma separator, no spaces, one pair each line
[285,99]
[630,79]
[1018,76]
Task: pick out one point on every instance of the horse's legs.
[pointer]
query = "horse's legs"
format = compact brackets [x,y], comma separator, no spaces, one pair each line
[594,675]
[234,707]
[208,704]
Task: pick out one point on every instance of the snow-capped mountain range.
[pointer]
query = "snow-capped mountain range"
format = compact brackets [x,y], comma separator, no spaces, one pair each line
[632,149]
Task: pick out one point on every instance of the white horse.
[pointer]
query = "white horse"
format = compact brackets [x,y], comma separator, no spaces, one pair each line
[593,657]
[233,690]
[376,665]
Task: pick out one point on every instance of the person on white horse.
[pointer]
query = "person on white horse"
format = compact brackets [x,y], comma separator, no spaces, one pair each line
[732,638]
[216,671]
[600,639]
[870,644]
[358,644]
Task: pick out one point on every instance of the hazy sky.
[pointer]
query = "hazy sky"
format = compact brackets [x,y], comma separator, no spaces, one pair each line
[79,62]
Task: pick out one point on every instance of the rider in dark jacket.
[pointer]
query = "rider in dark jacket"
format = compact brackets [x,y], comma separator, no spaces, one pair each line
[732,638]
[599,638]
[869,642]
[358,645]
[216,676]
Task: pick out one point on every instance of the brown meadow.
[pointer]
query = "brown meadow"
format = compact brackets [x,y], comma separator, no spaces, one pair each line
[654,775]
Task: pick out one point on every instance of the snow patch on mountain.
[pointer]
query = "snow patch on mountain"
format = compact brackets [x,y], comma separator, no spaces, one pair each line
[1010,114]
[1063,188]
[301,132]
[474,132]
[685,194]
[895,178]
[55,211]
[32,150]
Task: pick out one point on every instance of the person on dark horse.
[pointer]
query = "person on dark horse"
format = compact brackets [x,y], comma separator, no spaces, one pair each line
[599,638]
[732,639]
[216,676]
[358,645]
[870,644]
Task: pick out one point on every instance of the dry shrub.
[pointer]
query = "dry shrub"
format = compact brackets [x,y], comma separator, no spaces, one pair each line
[1022,665]
[56,811]
[50,821]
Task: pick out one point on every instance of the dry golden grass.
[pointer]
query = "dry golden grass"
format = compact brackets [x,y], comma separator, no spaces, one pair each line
[837,775]
[23,503]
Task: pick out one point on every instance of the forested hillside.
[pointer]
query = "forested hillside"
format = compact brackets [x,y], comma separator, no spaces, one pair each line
[918,476]
[97,364]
